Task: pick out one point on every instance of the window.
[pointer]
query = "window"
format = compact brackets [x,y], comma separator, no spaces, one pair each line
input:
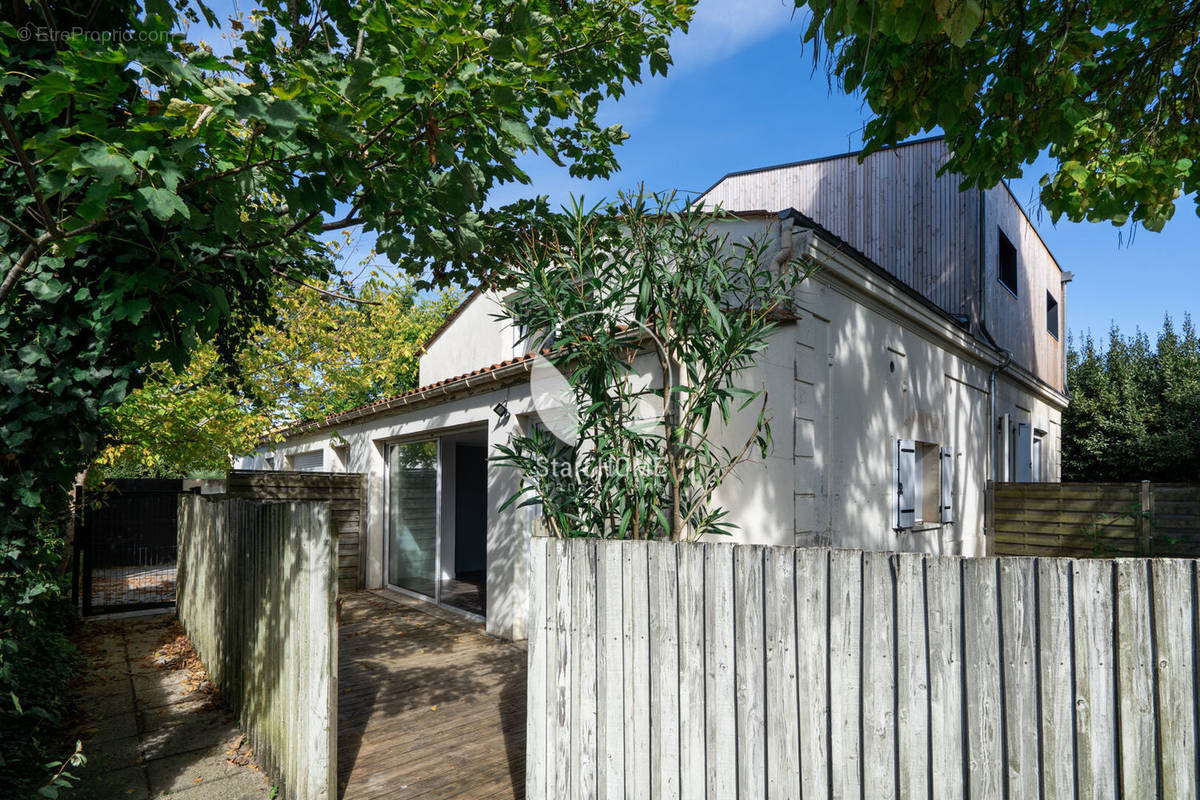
[924,484]
[1006,263]
[312,461]
[1051,315]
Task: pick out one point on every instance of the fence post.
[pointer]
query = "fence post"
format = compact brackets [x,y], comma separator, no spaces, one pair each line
[1145,535]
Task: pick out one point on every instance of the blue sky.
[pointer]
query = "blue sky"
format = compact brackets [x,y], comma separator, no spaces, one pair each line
[744,94]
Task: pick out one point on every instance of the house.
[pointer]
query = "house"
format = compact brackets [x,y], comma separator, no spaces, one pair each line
[927,358]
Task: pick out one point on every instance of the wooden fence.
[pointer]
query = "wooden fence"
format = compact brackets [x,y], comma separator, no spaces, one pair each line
[1095,519]
[721,671]
[257,595]
[346,494]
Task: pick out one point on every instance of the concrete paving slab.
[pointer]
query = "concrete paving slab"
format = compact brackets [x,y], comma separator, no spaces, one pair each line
[114,754]
[201,732]
[114,726]
[162,688]
[148,732]
[176,773]
[98,784]
[240,786]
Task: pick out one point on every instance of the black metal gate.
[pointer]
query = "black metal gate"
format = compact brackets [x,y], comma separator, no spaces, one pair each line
[127,544]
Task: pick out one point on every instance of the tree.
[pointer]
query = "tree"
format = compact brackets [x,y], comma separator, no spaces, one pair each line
[652,317]
[1108,88]
[1135,409]
[321,354]
[153,194]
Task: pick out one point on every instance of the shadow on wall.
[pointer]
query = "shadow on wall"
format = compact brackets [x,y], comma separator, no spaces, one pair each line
[887,383]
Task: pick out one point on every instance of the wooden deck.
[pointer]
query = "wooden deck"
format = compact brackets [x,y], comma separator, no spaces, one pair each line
[429,707]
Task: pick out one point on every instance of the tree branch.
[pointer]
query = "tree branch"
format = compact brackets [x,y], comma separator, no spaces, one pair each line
[17,228]
[23,158]
[28,256]
[325,292]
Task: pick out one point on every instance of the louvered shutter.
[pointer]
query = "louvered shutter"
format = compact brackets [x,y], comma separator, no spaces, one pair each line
[946,512]
[1024,455]
[313,461]
[907,488]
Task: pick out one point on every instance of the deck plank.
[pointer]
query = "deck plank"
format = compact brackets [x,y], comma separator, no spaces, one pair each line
[428,706]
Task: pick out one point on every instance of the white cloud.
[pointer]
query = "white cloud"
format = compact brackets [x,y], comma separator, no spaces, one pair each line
[722,28]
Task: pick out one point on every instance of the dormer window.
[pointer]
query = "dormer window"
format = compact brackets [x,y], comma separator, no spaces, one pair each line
[1006,264]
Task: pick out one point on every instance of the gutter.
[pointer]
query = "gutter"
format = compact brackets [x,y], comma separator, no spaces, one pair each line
[787,222]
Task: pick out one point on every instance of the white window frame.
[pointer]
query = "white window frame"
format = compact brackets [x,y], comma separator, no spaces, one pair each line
[923,485]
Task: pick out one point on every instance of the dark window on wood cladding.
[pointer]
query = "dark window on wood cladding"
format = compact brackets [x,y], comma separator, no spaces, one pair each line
[1051,315]
[1007,263]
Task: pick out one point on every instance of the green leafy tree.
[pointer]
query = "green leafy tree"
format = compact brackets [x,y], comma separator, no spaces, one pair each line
[1135,408]
[324,352]
[653,317]
[1107,88]
[153,194]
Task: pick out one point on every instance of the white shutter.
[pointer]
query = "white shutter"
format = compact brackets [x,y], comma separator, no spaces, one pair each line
[1002,472]
[1024,455]
[907,488]
[312,461]
[946,507]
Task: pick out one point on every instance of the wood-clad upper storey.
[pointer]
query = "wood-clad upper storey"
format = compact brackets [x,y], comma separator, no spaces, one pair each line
[896,210]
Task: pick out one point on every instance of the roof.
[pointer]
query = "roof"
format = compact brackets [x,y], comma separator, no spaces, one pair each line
[818,160]
[841,244]
[855,153]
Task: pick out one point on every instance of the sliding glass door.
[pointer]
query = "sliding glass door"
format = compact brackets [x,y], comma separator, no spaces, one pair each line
[413,516]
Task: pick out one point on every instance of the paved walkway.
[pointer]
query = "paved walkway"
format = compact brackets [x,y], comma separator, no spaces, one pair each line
[151,727]
[429,706]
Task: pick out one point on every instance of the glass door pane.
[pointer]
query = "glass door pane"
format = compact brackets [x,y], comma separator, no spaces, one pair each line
[413,518]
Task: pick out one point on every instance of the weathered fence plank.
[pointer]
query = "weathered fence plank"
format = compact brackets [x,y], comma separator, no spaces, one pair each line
[912,684]
[981,626]
[783,709]
[257,596]
[535,722]
[720,696]
[749,678]
[692,594]
[1057,663]
[1095,703]
[746,672]
[944,591]
[1018,631]
[636,619]
[610,692]
[664,671]
[845,650]
[879,676]
[558,775]
[345,493]
[583,668]
[1135,678]
[1175,665]
[812,627]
